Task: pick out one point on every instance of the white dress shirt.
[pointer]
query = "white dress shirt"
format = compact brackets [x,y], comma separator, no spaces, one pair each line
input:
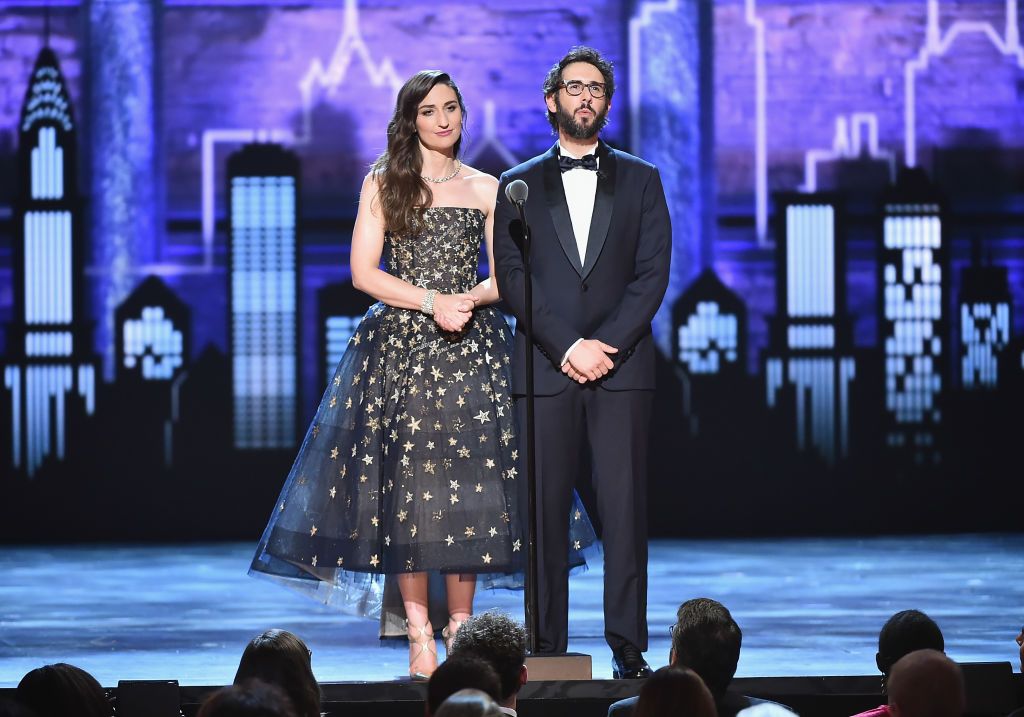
[580,187]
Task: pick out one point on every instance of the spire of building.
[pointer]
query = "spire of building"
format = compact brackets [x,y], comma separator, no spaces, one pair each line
[49,370]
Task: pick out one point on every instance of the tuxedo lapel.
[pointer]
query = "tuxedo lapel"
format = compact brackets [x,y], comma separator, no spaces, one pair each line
[604,202]
[554,195]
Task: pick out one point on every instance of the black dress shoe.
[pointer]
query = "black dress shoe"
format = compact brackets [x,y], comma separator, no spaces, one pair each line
[628,664]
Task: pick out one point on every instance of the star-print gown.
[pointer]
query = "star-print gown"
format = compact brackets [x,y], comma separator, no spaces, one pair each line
[411,462]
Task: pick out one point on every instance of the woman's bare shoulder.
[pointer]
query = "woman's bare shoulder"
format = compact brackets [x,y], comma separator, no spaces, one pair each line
[477,176]
[372,180]
[483,186]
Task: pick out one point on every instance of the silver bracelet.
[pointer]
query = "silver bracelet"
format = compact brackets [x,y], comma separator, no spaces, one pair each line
[427,305]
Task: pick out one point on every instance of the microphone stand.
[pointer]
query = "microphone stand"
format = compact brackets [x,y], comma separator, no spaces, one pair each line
[531,598]
[568,666]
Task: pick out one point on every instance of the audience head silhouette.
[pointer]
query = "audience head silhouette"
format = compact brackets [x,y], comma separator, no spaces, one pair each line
[460,672]
[252,698]
[706,639]
[903,633]
[62,689]
[469,703]
[280,658]
[501,641]
[675,691]
[926,683]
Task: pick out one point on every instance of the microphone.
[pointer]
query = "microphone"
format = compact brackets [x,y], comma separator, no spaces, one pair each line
[517,191]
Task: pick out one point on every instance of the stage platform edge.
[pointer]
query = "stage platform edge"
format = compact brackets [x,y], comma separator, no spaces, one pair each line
[993,690]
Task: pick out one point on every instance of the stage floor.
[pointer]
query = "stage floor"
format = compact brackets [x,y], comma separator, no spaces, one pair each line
[806,606]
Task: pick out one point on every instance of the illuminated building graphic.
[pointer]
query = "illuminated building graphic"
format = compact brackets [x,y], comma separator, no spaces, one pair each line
[985,309]
[152,343]
[855,139]
[264,251]
[913,326]
[809,359]
[152,327]
[337,332]
[49,374]
[340,307]
[709,325]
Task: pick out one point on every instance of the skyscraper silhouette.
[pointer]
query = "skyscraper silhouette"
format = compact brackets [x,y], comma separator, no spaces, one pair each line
[340,307]
[809,359]
[50,373]
[263,184]
[913,325]
[986,321]
[709,328]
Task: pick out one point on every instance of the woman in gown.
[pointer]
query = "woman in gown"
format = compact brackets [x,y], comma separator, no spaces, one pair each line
[409,468]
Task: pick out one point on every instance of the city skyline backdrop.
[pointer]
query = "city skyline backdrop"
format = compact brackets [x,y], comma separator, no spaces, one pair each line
[855,273]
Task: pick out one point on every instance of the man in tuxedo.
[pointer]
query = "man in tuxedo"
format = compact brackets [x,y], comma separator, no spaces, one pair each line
[601,240]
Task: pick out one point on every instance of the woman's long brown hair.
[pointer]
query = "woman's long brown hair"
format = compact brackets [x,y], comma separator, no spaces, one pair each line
[281,658]
[402,193]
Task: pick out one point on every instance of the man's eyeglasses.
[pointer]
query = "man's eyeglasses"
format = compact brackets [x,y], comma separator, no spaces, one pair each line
[575,88]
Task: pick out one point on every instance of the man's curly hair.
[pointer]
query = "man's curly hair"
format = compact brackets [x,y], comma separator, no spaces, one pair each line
[498,639]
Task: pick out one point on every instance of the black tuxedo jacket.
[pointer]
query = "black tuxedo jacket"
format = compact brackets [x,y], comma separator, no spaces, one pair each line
[613,295]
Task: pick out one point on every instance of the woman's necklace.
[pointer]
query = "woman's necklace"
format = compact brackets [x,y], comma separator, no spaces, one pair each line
[440,180]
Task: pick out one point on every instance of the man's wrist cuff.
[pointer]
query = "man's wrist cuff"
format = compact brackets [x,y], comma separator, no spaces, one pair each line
[565,356]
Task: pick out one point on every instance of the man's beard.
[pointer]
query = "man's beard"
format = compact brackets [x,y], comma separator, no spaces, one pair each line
[571,126]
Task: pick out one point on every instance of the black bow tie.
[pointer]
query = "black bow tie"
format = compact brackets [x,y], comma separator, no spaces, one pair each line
[588,161]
